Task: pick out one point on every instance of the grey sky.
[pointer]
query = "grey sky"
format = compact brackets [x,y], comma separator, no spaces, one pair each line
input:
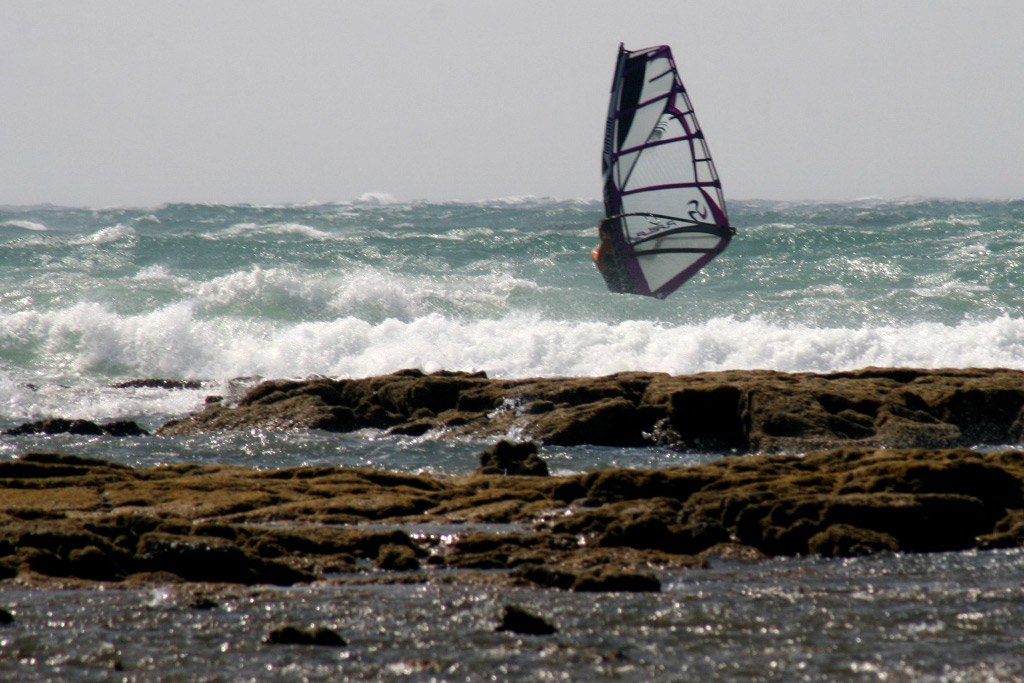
[141,103]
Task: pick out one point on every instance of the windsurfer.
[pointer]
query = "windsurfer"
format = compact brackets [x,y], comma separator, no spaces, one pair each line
[607,257]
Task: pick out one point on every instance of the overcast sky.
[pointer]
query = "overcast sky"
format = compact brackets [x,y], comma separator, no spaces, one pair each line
[141,103]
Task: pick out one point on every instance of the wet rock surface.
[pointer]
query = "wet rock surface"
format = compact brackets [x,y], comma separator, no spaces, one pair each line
[749,411]
[513,458]
[80,427]
[289,634]
[72,519]
[518,620]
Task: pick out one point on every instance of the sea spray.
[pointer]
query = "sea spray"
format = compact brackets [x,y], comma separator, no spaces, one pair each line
[210,292]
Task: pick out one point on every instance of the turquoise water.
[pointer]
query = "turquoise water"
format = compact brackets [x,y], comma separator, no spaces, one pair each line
[217,292]
[90,297]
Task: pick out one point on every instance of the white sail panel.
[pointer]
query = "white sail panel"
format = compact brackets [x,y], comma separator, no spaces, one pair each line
[660,267]
[665,214]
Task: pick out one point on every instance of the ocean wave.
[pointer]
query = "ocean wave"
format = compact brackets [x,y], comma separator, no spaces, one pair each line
[526,201]
[91,340]
[108,235]
[376,199]
[506,286]
[296,229]
[25,225]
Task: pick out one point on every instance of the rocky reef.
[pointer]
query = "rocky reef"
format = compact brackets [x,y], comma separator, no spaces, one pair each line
[71,519]
[744,411]
[836,464]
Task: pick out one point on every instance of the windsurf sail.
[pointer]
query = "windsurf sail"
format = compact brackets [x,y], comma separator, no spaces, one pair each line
[665,215]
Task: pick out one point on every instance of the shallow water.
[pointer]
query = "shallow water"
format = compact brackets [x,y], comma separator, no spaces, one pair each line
[367,448]
[934,617]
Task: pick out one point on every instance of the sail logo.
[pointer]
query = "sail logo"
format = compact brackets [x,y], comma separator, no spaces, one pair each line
[661,188]
[698,213]
[657,225]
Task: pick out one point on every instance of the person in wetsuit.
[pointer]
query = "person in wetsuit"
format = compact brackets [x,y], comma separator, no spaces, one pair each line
[607,257]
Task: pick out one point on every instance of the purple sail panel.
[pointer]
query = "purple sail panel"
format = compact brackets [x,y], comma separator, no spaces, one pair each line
[664,207]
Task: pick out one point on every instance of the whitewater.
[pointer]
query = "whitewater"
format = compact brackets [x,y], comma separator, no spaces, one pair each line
[92,297]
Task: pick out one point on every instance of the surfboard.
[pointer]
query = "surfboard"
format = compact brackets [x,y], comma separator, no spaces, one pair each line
[665,215]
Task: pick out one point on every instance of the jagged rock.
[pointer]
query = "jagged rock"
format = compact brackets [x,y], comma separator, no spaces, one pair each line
[45,465]
[656,530]
[733,551]
[153,383]
[547,576]
[75,518]
[203,602]
[83,427]
[99,565]
[843,540]
[211,559]
[754,410]
[514,459]
[396,557]
[590,580]
[609,579]
[1007,533]
[518,620]
[296,635]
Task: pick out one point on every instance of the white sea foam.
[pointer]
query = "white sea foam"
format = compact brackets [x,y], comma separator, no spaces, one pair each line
[376,199]
[25,225]
[21,402]
[297,229]
[110,235]
[159,274]
[88,342]
[90,339]
[505,286]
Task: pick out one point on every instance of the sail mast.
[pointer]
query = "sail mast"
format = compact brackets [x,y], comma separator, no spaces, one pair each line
[664,207]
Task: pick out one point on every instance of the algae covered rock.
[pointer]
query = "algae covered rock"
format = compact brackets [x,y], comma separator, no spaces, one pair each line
[514,459]
[289,634]
[519,620]
[73,519]
[751,410]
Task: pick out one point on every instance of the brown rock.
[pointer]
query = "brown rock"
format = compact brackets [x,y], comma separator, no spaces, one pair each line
[515,459]
[518,620]
[211,559]
[747,410]
[83,427]
[397,558]
[547,576]
[614,421]
[76,519]
[203,602]
[296,635]
[99,565]
[1008,532]
[589,579]
[611,579]
[733,551]
[154,383]
[843,540]
[47,465]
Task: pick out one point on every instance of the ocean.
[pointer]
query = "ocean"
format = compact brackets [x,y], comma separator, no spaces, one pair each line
[91,298]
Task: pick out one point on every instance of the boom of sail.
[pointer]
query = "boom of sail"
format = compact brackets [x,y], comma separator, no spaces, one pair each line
[665,212]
